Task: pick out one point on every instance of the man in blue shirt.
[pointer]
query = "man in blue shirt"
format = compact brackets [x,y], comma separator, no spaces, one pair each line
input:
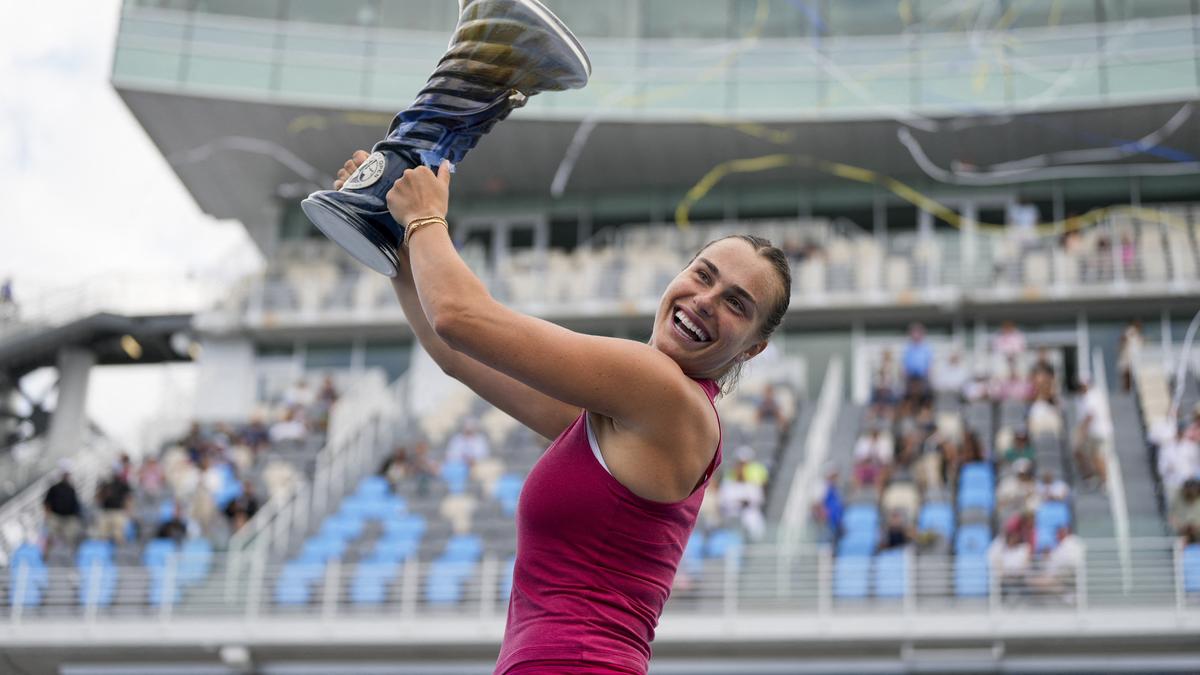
[918,357]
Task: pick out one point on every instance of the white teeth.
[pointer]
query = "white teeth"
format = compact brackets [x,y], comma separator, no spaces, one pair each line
[683,318]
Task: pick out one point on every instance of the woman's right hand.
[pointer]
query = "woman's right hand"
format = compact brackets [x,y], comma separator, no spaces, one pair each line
[351,165]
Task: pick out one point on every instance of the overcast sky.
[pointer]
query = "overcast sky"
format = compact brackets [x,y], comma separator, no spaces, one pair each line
[85,195]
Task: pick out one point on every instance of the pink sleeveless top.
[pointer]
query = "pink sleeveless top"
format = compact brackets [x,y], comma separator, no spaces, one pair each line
[595,562]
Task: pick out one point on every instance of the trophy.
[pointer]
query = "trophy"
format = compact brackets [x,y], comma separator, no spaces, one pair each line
[502,52]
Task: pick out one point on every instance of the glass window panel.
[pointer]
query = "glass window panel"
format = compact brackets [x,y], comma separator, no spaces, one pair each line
[1039,13]
[392,357]
[229,72]
[322,356]
[439,17]
[259,9]
[866,17]
[343,12]
[295,225]
[694,19]
[589,18]
[146,64]
[1121,10]
[783,18]
[161,4]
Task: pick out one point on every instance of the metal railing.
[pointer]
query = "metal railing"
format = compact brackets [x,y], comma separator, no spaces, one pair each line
[803,579]
[816,449]
[1116,479]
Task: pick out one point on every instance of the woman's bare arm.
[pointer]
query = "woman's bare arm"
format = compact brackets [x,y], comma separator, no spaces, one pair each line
[636,385]
[532,408]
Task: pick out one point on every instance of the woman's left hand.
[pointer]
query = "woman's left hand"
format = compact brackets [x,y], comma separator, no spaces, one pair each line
[420,194]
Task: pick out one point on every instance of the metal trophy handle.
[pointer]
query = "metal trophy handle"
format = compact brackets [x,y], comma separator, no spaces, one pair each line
[502,52]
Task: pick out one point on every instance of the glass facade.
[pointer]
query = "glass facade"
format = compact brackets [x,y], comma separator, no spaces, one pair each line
[664,59]
[712,18]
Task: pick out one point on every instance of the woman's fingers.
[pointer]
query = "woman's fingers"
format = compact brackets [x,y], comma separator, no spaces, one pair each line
[350,166]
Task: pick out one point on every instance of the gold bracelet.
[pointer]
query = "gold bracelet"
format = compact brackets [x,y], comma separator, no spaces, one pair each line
[422,222]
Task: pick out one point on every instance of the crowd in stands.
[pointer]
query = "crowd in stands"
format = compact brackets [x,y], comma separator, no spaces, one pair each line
[206,485]
[926,461]
[1178,465]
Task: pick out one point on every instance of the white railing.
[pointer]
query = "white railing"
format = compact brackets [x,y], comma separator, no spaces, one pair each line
[816,448]
[360,424]
[21,517]
[804,579]
[1116,479]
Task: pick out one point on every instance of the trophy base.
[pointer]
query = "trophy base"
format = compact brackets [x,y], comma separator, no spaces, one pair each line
[370,243]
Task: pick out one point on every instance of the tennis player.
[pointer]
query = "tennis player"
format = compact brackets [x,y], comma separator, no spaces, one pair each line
[606,512]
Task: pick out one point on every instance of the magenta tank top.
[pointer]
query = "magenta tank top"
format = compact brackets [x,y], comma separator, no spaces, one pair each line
[595,562]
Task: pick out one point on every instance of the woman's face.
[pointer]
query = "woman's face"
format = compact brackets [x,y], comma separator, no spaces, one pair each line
[710,315]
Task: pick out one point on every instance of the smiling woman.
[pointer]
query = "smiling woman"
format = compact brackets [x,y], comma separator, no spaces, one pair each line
[605,514]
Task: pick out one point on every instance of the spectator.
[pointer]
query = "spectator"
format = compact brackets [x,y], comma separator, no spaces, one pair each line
[243,507]
[1178,460]
[1020,448]
[979,388]
[1052,489]
[755,471]
[898,532]
[1061,566]
[173,527]
[256,435]
[1010,559]
[918,356]
[1018,489]
[115,498]
[1022,219]
[742,501]
[64,515]
[873,454]
[290,428]
[769,410]
[1013,387]
[1185,513]
[828,508]
[1129,351]
[1129,258]
[1024,525]
[328,394]
[1043,366]
[124,468]
[883,387]
[299,395]
[468,445]
[8,304]
[150,478]
[395,467]
[1093,434]
[1009,342]
[952,377]
[422,468]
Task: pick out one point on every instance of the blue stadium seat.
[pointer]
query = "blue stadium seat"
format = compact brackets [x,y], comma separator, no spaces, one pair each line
[508,491]
[92,550]
[97,584]
[971,575]
[891,573]
[305,571]
[506,579]
[371,580]
[693,554]
[1052,515]
[462,548]
[1191,568]
[722,541]
[443,587]
[456,474]
[395,548]
[972,539]
[861,517]
[858,543]
[343,526]
[373,486]
[851,576]
[27,562]
[977,473]
[293,586]
[166,510]
[411,525]
[322,548]
[981,497]
[162,587]
[158,552]
[937,517]
[373,508]
[195,560]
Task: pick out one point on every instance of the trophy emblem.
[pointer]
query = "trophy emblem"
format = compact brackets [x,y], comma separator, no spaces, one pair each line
[502,52]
